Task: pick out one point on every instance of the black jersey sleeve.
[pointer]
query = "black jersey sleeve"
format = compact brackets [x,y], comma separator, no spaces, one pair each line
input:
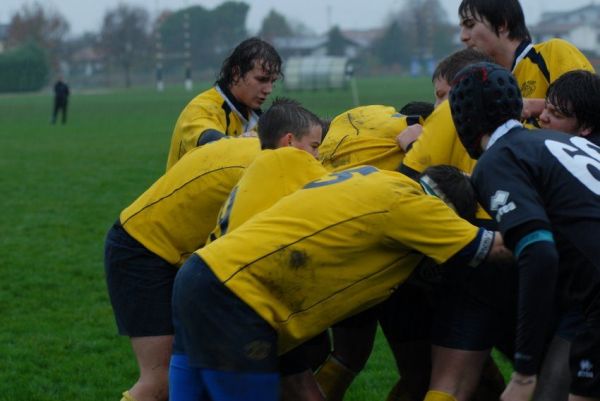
[538,271]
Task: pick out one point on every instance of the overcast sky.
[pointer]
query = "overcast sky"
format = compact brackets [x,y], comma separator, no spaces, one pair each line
[86,15]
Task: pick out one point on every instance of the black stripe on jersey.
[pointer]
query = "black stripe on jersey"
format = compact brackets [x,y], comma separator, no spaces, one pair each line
[537,59]
[227,109]
[302,239]
[177,189]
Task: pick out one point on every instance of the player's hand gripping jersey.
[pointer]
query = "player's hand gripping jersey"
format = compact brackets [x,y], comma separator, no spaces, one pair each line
[364,135]
[175,215]
[210,110]
[338,246]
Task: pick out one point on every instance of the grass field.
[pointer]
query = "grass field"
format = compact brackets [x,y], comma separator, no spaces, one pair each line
[62,188]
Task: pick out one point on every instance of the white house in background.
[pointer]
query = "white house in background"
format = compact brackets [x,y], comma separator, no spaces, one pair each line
[580,27]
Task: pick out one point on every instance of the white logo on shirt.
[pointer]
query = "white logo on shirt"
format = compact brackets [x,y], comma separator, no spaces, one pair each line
[585,369]
[499,205]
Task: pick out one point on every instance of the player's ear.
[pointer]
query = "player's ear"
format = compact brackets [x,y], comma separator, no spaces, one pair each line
[585,131]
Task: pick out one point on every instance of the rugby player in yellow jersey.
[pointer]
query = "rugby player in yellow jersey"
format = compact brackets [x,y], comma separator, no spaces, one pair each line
[232,106]
[496,28]
[336,247]
[369,135]
[156,233]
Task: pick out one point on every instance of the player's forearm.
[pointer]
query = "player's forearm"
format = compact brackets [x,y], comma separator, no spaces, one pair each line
[538,271]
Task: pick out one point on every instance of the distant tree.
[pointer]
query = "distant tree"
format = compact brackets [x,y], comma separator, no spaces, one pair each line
[275,25]
[336,42]
[39,24]
[213,33]
[125,37]
[426,28]
[391,48]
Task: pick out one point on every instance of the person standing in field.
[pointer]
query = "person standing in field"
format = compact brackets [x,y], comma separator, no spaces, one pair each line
[61,100]
[232,106]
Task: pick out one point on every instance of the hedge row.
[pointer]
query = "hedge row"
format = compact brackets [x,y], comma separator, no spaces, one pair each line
[23,69]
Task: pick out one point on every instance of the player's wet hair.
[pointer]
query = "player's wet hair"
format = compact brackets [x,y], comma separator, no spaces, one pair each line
[417,108]
[285,115]
[244,58]
[452,186]
[577,94]
[452,64]
[498,13]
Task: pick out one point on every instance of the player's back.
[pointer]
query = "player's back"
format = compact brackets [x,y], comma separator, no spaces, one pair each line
[175,215]
[364,135]
[341,243]
[271,176]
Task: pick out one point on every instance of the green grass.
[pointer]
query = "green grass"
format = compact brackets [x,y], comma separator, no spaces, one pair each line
[62,188]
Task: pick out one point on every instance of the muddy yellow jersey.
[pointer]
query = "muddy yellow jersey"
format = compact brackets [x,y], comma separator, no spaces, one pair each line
[337,246]
[210,110]
[271,176]
[537,66]
[175,215]
[364,135]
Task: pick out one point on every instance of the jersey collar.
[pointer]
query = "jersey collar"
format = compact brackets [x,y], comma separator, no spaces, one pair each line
[521,52]
[501,131]
[253,115]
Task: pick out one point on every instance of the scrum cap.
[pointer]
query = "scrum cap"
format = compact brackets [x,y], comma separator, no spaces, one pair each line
[483,96]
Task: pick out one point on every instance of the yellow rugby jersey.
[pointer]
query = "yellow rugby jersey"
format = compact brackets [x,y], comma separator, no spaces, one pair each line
[439,144]
[364,135]
[271,176]
[538,65]
[209,110]
[175,215]
[338,246]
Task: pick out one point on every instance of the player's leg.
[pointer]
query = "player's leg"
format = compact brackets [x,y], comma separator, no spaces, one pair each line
[153,354]
[405,319]
[298,382]
[473,311]
[140,286]
[64,112]
[584,358]
[455,373]
[353,341]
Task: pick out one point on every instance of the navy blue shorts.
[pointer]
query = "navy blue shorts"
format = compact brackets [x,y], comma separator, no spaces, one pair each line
[140,286]
[475,308]
[215,328]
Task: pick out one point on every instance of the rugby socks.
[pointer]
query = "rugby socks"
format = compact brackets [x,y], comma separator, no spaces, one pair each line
[334,378]
[433,395]
[127,397]
[398,393]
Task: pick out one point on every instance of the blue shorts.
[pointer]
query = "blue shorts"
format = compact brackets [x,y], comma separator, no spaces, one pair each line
[187,383]
[215,328]
[140,286]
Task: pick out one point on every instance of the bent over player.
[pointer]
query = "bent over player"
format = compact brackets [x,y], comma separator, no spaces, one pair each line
[338,246]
